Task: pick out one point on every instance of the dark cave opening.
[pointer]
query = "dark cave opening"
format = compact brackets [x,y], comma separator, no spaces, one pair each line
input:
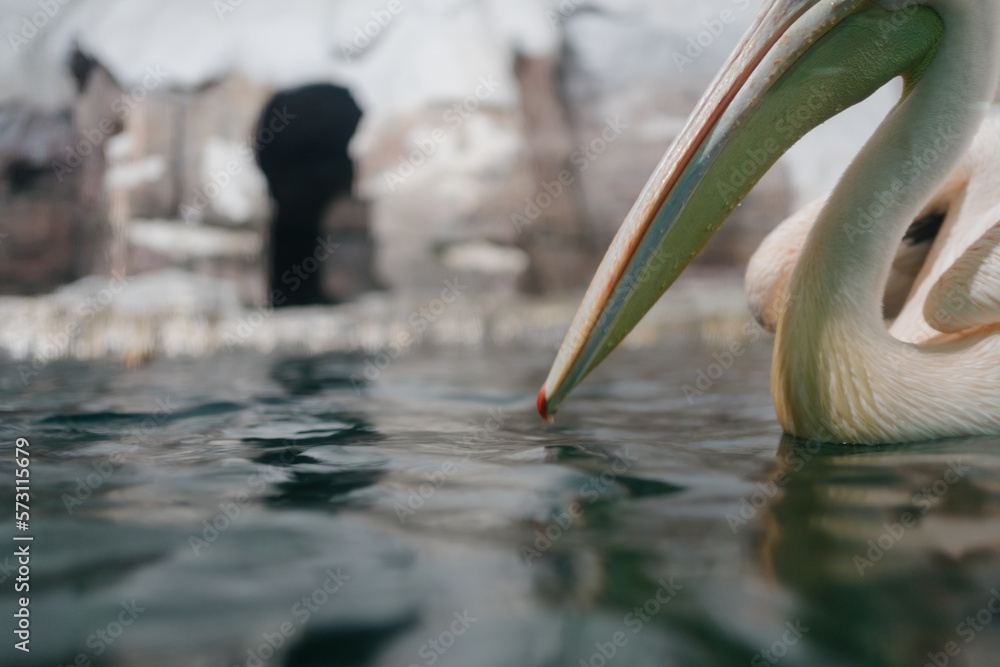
[320,245]
[22,176]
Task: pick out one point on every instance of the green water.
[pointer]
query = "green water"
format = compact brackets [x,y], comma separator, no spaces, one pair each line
[250,510]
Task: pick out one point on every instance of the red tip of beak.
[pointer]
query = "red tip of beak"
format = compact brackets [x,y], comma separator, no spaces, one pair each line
[543,407]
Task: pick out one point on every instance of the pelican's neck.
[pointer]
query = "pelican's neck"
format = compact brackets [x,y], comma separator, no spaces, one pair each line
[847,258]
[836,367]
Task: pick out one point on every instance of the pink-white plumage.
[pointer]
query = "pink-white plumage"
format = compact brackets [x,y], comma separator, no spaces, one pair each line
[911,233]
[925,296]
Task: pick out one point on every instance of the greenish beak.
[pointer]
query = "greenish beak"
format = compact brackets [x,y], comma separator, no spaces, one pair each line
[802,62]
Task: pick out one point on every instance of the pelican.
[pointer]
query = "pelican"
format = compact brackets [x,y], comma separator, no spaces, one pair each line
[839,373]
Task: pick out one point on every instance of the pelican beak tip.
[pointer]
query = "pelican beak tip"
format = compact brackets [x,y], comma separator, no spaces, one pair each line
[543,406]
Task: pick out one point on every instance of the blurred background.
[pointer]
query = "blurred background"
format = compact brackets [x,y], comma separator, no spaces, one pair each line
[317,187]
[219,156]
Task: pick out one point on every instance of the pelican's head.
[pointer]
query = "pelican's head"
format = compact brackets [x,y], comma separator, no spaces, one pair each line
[802,62]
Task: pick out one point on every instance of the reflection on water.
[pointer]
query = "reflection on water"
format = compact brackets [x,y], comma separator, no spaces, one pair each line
[893,552]
[248,511]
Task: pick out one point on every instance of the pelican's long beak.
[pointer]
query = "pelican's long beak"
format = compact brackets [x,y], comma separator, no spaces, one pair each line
[802,62]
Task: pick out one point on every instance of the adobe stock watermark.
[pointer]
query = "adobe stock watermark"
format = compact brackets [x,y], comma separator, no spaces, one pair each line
[566,8]
[946,136]
[85,486]
[969,629]
[750,333]
[785,131]
[303,610]
[429,144]
[705,378]
[577,336]
[432,650]
[365,35]
[102,638]
[223,8]
[562,522]
[713,29]
[218,181]
[418,322]
[585,155]
[294,277]
[57,344]
[635,621]
[231,510]
[898,18]
[773,654]
[435,480]
[30,26]
[91,139]
[894,532]
[750,506]
[106,467]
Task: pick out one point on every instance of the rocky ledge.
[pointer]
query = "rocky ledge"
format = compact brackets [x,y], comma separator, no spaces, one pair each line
[174,313]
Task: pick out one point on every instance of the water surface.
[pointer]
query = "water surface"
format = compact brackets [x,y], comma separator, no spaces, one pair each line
[252,510]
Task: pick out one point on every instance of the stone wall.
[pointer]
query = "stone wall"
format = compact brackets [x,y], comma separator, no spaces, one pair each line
[502,142]
[39,210]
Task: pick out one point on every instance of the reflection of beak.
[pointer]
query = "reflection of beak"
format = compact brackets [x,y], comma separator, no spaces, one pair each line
[802,62]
